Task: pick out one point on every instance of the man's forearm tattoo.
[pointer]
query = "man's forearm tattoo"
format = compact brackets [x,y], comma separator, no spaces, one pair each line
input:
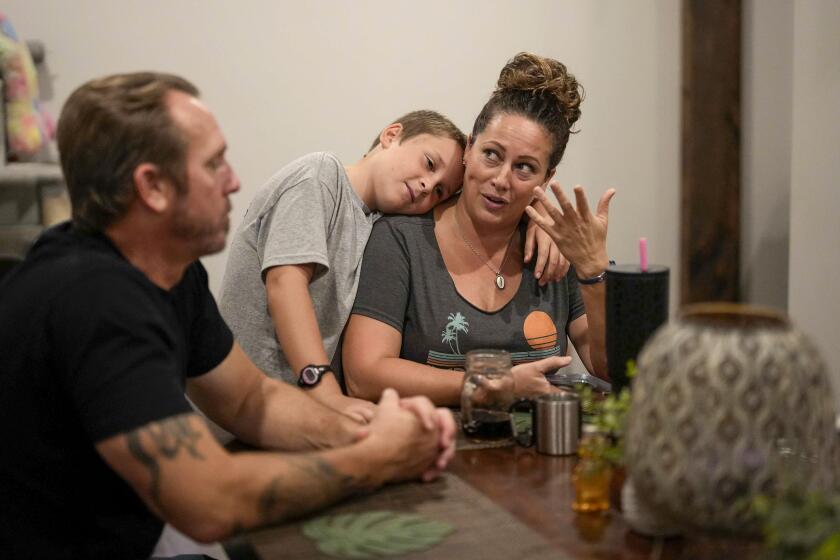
[168,437]
[325,485]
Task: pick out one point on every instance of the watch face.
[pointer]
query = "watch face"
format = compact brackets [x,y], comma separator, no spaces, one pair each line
[309,375]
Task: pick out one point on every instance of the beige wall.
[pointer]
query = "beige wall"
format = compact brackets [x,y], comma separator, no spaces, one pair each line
[286,78]
[814,301]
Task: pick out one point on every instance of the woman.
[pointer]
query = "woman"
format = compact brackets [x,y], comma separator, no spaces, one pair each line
[294,262]
[437,285]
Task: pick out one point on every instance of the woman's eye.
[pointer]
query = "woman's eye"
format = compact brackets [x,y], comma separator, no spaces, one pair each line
[439,190]
[491,155]
[430,163]
[526,168]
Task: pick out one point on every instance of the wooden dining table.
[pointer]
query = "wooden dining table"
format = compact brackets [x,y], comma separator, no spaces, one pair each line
[508,503]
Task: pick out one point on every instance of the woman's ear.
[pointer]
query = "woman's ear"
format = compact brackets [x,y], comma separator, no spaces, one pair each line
[467,149]
[390,134]
[153,189]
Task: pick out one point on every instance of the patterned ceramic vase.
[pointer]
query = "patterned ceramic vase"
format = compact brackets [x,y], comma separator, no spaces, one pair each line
[728,401]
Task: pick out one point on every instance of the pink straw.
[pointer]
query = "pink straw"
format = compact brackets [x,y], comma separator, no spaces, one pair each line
[643,253]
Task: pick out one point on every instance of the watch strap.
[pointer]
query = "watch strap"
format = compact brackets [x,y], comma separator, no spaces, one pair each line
[311,375]
[594,279]
[597,279]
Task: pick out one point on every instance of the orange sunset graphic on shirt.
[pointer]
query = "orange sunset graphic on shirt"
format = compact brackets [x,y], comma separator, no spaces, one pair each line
[538,329]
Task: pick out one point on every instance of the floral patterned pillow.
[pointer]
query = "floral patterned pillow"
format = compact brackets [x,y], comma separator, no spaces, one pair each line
[28,128]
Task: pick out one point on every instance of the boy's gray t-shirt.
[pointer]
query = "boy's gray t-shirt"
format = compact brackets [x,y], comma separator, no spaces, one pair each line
[405,284]
[307,213]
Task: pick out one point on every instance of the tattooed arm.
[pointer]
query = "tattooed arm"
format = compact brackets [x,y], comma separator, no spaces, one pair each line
[265,412]
[185,477]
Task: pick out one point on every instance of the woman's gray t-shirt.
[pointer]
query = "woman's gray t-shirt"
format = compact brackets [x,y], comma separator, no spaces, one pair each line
[405,284]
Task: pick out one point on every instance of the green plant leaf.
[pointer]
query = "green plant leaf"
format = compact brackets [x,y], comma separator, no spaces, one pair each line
[829,549]
[800,524]
[374,534]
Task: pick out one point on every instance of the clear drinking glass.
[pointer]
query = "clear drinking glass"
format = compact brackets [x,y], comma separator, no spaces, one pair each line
[487,395]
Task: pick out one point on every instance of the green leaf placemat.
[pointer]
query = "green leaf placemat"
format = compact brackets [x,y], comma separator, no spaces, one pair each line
[374,534]
[483,529]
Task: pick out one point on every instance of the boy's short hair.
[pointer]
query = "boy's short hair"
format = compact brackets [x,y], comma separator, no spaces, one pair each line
[416,123]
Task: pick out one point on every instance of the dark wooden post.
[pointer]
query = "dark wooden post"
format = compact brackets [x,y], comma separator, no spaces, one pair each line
[711,151]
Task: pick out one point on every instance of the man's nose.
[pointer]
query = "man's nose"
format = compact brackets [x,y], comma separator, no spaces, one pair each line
[234,184]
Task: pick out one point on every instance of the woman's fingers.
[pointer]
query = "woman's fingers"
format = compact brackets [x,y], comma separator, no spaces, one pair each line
[548,365]
[552,209]
[582,203]
[537,218]
[604,203]
[566,216]
[562,199]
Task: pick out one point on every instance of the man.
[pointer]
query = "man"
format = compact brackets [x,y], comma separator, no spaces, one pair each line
[110,318]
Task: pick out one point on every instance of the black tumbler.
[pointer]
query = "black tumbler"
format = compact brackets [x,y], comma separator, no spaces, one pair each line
[637,304]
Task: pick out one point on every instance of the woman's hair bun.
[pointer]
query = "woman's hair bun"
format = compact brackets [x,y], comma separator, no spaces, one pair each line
[542,76]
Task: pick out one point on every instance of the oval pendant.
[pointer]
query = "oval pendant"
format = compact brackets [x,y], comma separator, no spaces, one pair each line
[500,282]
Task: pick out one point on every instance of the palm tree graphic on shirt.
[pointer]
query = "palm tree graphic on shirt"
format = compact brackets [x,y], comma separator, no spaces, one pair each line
[457,322]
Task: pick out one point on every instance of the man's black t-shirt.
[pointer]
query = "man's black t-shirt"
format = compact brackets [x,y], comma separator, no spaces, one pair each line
[89,348]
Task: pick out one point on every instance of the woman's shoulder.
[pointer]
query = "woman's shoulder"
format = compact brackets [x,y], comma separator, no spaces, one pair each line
[407,231]
[400,221]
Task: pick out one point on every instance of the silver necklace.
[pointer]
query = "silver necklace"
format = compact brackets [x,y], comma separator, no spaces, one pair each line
[500,280]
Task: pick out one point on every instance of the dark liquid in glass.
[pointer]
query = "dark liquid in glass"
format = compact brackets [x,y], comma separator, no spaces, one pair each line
[489,425]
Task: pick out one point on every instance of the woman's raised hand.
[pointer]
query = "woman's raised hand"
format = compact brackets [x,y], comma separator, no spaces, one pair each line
[580,234]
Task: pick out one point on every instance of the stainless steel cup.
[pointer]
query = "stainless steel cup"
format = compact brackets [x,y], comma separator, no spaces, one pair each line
[557,423]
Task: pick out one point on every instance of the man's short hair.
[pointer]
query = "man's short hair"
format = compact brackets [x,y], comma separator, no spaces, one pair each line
[107,128]
[416,123]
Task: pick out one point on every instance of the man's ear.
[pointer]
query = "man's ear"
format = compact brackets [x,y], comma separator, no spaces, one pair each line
[154,190]
[390,134]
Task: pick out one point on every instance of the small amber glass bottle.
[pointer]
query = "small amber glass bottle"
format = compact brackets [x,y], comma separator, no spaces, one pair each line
[591,476]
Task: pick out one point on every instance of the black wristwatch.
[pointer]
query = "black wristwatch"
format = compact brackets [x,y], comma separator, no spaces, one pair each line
[597,279]
[311,375]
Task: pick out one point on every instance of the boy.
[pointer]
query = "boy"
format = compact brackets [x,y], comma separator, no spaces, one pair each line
[294,263]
